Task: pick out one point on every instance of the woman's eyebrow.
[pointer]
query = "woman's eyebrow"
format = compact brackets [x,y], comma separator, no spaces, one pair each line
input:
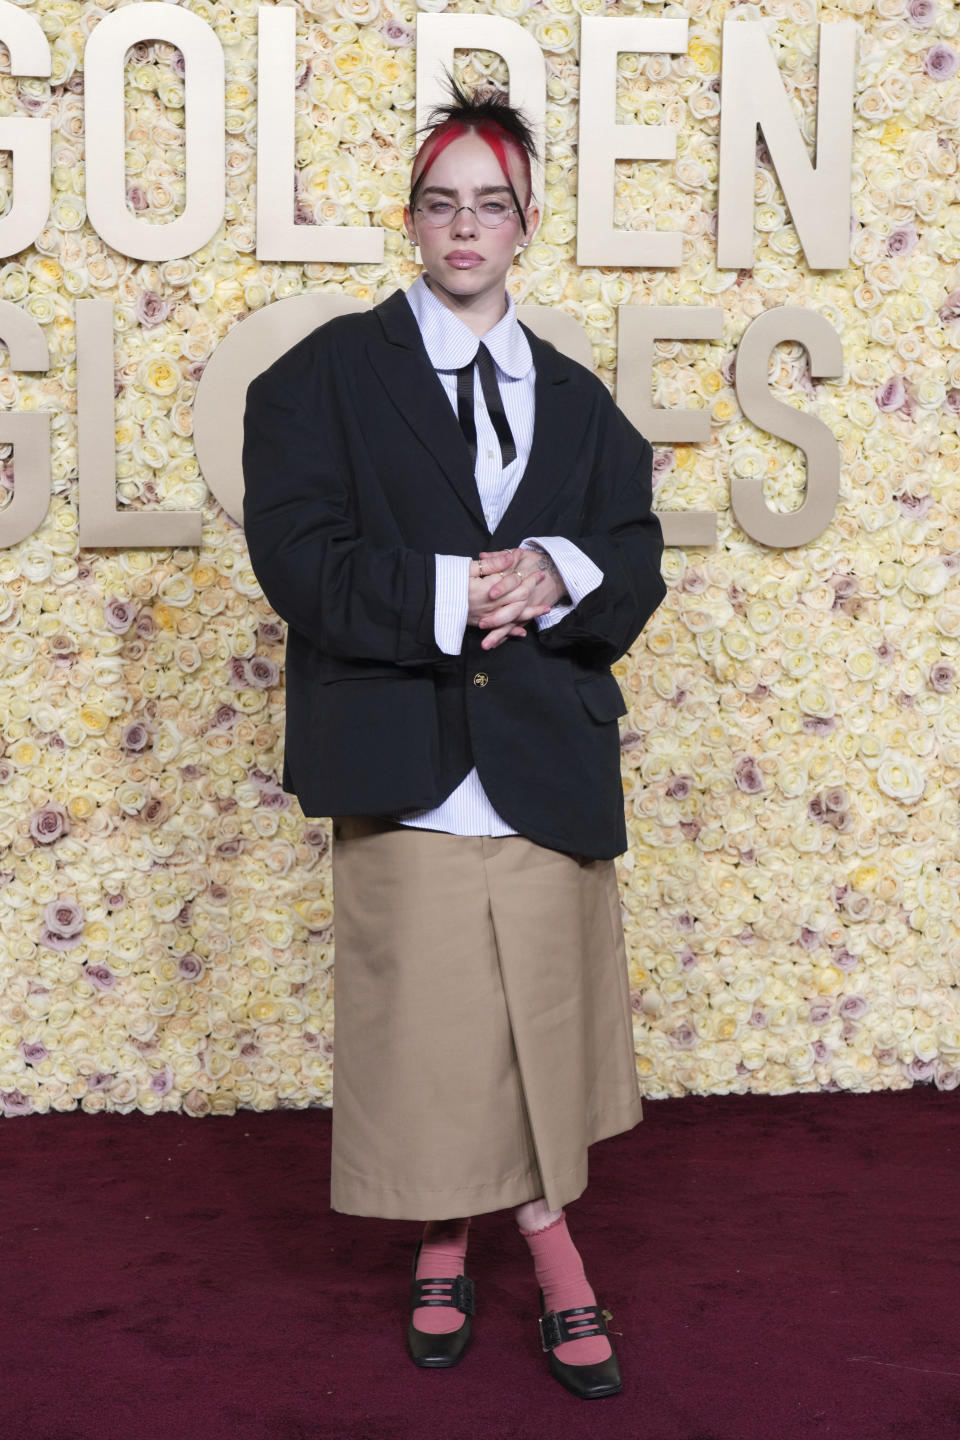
[481,190]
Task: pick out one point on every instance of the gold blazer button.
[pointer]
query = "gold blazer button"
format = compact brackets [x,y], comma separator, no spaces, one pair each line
[480,678]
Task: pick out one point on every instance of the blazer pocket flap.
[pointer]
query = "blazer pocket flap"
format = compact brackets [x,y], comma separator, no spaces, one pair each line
[602,696]
[328,668]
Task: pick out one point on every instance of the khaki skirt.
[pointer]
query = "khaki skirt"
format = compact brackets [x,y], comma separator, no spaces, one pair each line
[483,1034]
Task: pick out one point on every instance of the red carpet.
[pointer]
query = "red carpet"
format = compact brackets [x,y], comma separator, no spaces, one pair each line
[780,1268]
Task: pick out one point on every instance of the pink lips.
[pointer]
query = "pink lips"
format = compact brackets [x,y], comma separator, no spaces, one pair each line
[463,259]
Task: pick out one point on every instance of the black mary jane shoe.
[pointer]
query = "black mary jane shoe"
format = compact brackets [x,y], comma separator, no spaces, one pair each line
[454,1290]
[587,1381]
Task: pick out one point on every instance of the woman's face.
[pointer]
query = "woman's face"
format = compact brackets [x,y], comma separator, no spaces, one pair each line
[464,257]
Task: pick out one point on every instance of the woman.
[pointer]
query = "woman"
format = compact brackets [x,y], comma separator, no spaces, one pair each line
[450,704]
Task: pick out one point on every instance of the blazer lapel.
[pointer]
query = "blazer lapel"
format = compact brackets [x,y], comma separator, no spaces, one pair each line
[413,386]
[557,431]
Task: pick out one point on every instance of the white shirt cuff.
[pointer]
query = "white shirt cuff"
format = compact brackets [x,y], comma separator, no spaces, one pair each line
[580,574]
[451,602]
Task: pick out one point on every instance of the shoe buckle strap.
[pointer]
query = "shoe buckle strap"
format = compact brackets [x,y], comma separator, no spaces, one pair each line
[455,1290]
[576,1323]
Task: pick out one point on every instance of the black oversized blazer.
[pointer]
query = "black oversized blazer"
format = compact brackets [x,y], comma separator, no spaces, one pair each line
[356,474]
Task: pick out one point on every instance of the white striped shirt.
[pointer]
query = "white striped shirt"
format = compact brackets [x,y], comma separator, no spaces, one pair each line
[450,344]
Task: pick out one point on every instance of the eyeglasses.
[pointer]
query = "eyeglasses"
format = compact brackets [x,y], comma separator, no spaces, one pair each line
[489,213]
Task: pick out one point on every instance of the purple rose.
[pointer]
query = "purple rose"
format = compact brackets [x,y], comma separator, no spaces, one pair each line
[684,1036]
[63,916]
[941,677]
[178,65]
[190,967]
[273,799]
[223,716]
[820,1051]
[135,736]
[921,13]
[679,787]
[902,240]
[62,645]
[892,396]
[270,631]
[747,776]
[119,615]
[219,894]
[238,672]
[914,507]
[663,462]
[162,1082]
[685,922]
[758,1019]
[836,798]
[945,1077]
[315,835]
[52,941]
[229,849]
[396,32]
[688,959]
[809,938]
[852,1007]
[101,976]
[195,369]
[845,960]
[949,311]
[952,401]
[264,672]
[151,309]
[920,1069]
[146,625]
[690,829]
[819,1012]
[33,1052]
[137,197]
[13,1102]
[49,823]
[818,724]
[156,810]
[941,62]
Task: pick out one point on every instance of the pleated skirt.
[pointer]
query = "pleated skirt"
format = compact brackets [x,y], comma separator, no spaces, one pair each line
[483,1034]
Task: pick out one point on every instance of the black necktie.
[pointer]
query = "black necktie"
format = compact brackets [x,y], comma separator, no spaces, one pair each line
[493,401]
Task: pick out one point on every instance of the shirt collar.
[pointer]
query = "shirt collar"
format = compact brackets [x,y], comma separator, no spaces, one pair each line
[451,344]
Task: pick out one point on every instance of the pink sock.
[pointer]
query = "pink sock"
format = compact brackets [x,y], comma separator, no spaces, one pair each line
[559,1270]
[442,1254]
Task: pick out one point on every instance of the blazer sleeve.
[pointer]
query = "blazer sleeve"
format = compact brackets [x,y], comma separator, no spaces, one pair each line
[623,537]
[351,598]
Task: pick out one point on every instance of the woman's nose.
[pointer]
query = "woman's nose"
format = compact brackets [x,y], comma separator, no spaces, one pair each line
[465,222]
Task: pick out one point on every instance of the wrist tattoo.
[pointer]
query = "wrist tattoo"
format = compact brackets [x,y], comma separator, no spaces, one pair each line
[544,562]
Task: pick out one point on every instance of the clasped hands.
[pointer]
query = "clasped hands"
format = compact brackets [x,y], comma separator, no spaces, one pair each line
[516,586]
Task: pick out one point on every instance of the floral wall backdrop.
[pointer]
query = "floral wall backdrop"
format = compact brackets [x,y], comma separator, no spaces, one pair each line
[791,760]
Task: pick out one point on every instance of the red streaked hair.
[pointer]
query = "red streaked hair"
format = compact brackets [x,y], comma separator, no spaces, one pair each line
[497,138]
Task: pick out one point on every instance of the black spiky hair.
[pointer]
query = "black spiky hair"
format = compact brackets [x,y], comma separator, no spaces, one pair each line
[485,106]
